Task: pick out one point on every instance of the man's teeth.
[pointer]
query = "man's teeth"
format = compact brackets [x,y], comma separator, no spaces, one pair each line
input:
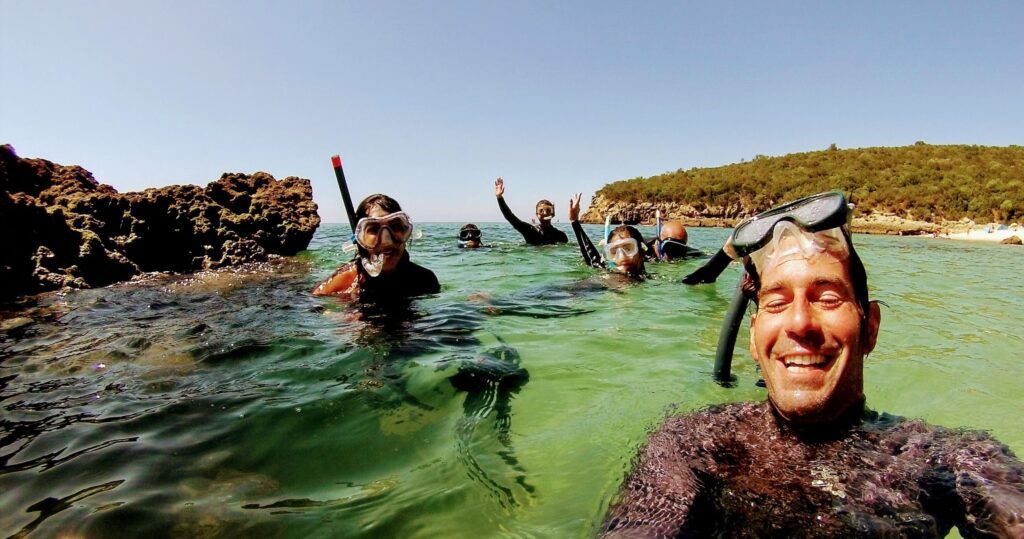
[814,360]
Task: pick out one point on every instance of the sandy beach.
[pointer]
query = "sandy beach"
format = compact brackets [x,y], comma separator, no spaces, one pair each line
[982,234]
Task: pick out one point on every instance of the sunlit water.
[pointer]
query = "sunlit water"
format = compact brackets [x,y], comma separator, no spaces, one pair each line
[511,403]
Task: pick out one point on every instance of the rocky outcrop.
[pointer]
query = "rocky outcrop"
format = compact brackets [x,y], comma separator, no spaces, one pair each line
[1013,240]
[729,216]
[62,228]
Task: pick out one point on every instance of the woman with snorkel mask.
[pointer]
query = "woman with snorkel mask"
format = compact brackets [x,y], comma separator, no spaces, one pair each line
[382,266]
[624,248]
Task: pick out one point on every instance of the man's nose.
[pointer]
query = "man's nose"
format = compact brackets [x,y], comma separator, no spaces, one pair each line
[803,319]
[391,239]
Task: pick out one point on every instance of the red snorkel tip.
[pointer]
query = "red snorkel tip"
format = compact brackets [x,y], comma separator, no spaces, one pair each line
[336,161]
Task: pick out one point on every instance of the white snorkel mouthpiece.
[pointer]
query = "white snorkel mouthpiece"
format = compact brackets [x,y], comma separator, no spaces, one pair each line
[373,263]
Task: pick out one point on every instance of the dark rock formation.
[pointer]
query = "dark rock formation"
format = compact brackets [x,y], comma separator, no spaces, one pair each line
[61,227]
[1013,240]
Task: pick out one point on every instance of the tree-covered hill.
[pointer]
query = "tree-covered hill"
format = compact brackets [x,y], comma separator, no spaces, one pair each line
[923,181]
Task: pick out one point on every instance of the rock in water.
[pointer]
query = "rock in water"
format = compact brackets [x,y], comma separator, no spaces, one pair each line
[1012,240]
[61,227]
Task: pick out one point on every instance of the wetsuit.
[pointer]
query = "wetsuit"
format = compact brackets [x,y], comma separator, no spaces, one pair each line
[408,279]
[534,235]
[590,253]
[739,470]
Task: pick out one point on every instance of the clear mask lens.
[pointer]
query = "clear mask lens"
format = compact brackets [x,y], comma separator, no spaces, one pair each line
[370,230]
[818,212]
[545,212]
[469,234]
[790,242]
[621,249]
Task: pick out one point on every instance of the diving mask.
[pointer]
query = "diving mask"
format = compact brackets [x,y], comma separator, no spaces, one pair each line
[468,234]
[790,242]
[815,213]
[545,212]
[672,248]
[621,249]
[369,229]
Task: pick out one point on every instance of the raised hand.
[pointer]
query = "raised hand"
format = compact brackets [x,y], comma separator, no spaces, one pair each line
[574,208]
[499,187]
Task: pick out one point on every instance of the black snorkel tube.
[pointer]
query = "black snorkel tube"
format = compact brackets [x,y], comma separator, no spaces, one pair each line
[339,173]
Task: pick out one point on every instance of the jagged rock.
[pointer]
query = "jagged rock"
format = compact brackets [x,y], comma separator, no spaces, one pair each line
[1013,240]
[730,215]
[62,228]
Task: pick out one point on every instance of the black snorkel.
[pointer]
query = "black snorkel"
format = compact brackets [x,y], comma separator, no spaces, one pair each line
[339,173]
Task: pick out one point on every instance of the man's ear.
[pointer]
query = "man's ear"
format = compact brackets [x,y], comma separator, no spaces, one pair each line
[874,319]
[753,345]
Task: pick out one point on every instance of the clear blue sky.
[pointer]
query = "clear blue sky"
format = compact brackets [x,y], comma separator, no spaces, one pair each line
[430,101]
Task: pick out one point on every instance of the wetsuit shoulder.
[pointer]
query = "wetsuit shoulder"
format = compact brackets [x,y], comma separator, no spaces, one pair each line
[344,280]
[420,280]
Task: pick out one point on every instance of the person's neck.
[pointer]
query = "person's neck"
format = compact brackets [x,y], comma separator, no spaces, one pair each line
[836,426]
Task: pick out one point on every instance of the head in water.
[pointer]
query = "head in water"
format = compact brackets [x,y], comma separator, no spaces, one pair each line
[469,236]
[672,240]
[382,230]
[545,212]
[814,322]
[624,249]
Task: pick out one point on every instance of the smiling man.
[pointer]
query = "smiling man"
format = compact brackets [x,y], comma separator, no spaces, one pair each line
[812,460]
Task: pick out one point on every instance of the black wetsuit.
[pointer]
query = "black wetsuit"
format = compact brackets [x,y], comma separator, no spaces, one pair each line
[408,279]
[534,235]
[590,253]
[739,470]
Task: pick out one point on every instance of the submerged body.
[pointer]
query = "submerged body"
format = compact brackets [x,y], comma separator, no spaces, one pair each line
[407,279]
[741,470]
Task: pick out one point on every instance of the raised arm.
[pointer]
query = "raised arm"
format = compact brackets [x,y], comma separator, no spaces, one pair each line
[590,253]
[499,193]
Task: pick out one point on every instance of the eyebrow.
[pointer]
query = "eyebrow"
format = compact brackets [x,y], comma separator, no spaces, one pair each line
[776,286]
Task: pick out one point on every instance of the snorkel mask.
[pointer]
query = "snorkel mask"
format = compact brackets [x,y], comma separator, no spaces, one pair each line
[814,214]
[468,234]
[620,251]
[370,231]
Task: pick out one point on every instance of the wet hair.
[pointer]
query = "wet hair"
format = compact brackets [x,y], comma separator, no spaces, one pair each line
[858,279]
[469,226]
[544,202]
[378,200]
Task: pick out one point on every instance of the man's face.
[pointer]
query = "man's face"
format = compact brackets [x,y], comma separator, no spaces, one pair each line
[806,336]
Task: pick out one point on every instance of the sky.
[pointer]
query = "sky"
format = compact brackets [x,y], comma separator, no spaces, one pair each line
[429,102]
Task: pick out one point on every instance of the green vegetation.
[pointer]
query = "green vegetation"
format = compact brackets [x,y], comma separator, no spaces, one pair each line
[922,181]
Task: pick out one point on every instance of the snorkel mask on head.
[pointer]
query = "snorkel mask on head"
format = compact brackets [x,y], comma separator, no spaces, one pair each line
[369,233]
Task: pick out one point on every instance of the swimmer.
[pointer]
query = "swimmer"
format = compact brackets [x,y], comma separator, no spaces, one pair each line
[624,248]
[542,234]
[812,460]
[670,243]
[382,266]
[469,236]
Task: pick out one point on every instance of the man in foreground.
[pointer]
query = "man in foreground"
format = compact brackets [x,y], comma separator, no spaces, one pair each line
[541,234]
[812,461]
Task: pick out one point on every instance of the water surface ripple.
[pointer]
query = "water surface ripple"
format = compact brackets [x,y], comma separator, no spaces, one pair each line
[511,403]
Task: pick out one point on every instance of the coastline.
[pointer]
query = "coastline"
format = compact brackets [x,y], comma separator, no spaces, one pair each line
[642,213]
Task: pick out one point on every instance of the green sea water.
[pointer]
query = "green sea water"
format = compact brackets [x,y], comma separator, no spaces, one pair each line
[510,404]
